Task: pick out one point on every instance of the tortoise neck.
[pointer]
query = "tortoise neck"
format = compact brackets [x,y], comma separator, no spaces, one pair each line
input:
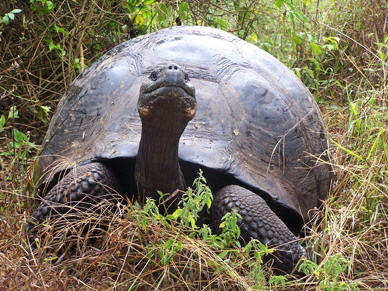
[157,165]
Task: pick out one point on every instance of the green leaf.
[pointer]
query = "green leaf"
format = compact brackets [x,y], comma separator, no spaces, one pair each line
[50,5]
[183,10]
[308,267]
[5,19]
[248,247]
[300,15]
[177,213]
[353,107]
[223,254]
[168,244]
[60,30]
[290,16]
[13,112]
[2,122]
[192,222]
[275,280]
[209,201]
[350,152]
[222,24]
[50,259]
[316,49]
[166,259]
[43,112]
[178,246]
[163,12]
[297,39]
[19,136]
[51,46]
[373,146]
[297,72]
[295,11]
[279,3]
[309,72]
[138,20]
[316,64]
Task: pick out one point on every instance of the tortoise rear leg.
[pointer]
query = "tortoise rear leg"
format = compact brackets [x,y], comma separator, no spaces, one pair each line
[82,187]
[258,221]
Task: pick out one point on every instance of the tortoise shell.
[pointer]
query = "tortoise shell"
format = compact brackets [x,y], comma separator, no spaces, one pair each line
[256,123]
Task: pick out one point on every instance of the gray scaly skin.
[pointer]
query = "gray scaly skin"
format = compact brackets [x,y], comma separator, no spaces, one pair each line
[258,221]
[82,187]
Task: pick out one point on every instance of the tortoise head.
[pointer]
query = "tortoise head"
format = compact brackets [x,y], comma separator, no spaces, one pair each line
[166,104]
[167,95]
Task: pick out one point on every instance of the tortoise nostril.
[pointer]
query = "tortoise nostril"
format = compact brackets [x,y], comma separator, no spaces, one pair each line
[173,67]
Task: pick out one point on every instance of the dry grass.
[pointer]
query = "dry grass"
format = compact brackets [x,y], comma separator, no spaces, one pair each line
[347,239]
[115,253]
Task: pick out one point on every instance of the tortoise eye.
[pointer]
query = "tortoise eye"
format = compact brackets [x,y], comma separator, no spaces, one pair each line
[154,76]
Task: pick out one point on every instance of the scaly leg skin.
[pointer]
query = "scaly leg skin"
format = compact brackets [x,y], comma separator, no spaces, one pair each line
[260,222]
[82,187]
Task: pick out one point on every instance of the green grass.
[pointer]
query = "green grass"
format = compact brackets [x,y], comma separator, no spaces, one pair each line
[339,50]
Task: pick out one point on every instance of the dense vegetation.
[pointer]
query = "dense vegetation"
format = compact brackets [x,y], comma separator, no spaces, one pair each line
[339,48]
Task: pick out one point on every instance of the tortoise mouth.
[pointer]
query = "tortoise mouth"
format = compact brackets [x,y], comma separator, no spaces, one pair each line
[176,93]
[154,89]
[174,100]
[167,92]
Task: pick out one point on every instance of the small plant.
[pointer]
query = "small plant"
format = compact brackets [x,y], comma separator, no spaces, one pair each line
[170,248]
[187,214]
[10,16]
[77,65]
[277,280]
[42,7]
[20,147]
[230,231]
[53,46]
[7,17]
[150,212]
[258,250]
[43,114]
[329,273]
[193,202]
[2,122]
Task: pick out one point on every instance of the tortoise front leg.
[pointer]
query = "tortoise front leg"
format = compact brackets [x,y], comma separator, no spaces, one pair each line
[82,187]
[258,221]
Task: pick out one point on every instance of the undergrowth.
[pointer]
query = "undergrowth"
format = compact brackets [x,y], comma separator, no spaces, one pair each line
[338,48]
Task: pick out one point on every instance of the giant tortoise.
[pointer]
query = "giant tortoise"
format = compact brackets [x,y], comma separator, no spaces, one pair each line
[154,110]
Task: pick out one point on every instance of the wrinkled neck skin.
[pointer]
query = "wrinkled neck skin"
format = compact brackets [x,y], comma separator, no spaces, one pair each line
[157,165]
